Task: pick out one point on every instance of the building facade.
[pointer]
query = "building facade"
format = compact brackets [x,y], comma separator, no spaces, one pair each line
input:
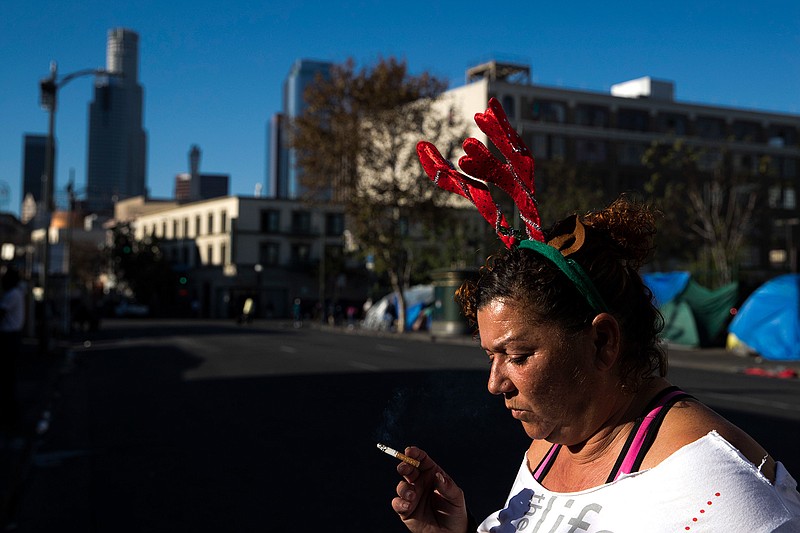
[116,165]
[236,247]
[612,131]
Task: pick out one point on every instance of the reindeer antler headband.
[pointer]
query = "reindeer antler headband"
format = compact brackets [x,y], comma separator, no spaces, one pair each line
[516,178]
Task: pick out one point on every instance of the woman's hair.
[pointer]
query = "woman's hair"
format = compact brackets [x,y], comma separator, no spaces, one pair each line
[618,240]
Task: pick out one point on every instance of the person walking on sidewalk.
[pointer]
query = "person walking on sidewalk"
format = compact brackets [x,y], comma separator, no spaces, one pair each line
[12,319]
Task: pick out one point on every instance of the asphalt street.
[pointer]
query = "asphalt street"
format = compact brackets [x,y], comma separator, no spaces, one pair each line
[209,426]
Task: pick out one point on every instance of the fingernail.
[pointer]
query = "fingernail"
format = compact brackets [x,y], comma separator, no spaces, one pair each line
[440,478]
[409,495]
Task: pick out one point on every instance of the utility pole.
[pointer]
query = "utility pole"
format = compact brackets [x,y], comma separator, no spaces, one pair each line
[48,92]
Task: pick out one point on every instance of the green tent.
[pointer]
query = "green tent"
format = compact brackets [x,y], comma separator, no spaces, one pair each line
[693,315]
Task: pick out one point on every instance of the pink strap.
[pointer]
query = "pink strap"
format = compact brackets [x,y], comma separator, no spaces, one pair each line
[545,464]
[636,446]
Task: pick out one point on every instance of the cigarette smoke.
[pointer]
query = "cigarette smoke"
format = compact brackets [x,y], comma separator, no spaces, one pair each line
[414,414]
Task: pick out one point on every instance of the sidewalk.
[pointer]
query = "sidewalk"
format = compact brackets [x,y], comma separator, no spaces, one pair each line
[37,383]
[717,359]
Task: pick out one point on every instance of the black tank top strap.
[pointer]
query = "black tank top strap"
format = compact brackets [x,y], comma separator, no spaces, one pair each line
[644,432]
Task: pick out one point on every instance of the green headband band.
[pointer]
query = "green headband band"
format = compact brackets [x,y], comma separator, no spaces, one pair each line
[573,271]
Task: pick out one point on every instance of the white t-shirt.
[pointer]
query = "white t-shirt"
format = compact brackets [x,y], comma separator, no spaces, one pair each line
[13,303]
[705,486]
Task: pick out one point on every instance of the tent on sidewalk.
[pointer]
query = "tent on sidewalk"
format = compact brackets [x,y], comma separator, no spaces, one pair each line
[768,321]
[383,312]
[693,315]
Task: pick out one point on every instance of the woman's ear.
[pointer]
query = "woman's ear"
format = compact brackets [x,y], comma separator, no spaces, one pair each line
[607,340]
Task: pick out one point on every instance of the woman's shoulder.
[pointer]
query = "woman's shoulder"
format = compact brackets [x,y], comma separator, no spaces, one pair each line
[690,420]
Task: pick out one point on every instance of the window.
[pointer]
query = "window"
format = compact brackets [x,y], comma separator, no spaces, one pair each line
[197,226]
[223,252]
[186,228]
[270,221]
[174,229]
[746,163]
[210,255]
[223,221]
[591,115]
[749,256]
[709,160]
[590,151]
[789,198]
[558,147]
[301,222]
[673,123]
[548,111]
[709,127]
[301,253]
[789,168]
[631,153]
[781,197]
[633,120]
[780,136]
[334,224]
[210,223]
[508,106]
[164,229]
[269,253]
[746,131]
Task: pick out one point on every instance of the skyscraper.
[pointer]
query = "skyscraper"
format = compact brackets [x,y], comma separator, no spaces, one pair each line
[283,176]
[33,156]
[117,141]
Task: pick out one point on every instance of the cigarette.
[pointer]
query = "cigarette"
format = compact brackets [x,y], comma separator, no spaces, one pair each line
[394,453]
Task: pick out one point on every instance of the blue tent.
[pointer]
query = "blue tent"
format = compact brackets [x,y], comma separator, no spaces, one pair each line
[768,320]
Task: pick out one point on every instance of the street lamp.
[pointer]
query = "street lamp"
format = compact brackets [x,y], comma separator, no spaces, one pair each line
[48,92]
[259,269]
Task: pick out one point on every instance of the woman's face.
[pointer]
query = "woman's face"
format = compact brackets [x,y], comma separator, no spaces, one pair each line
[544,373]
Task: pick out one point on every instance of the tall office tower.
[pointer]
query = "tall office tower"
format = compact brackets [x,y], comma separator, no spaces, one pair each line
[117,140]
[34,149]
[277,157]
[284,179]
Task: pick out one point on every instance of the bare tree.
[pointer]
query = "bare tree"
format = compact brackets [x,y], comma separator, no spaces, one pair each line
[702,196]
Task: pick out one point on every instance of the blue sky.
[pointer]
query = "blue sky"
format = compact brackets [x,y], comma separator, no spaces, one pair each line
[212,72]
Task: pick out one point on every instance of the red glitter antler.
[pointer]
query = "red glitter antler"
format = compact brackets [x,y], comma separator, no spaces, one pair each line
[446,177]
[515,176]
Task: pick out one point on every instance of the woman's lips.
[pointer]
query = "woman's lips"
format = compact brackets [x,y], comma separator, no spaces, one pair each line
[516,413]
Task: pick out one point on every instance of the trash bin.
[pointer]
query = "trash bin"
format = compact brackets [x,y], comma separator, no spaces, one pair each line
[446,318]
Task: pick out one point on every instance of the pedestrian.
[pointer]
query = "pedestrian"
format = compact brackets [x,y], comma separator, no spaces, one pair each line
[297,313]
[247,311]
[12,320]
[571,336]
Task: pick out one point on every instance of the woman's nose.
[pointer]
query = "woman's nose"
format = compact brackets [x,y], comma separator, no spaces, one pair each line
[498,381]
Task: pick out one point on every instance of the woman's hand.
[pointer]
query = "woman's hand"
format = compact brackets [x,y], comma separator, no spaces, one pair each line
[428,501]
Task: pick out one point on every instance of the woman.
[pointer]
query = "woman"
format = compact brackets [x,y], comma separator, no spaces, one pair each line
[570,332]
